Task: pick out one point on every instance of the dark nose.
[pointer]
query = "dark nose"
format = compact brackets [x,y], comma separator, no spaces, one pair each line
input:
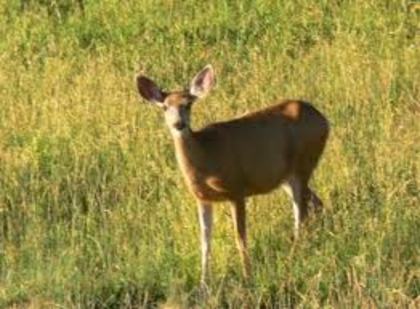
[179,125]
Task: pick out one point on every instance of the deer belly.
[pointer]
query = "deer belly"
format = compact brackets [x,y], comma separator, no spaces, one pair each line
[264,178]
[262,186]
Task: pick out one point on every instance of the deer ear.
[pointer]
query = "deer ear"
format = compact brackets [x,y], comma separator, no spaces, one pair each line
[149,90]
[203,82]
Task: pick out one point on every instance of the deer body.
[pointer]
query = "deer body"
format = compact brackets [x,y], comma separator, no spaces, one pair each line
[250,155]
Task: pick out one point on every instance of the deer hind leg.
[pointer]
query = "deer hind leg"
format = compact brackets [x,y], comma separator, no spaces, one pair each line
[315,201]
[298,190]
[305,171]
[239,223]
[205,212]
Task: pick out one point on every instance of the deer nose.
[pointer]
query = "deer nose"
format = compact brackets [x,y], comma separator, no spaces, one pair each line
[179,125]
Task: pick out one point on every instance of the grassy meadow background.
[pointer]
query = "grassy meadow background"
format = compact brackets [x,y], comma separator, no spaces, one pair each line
[93,210]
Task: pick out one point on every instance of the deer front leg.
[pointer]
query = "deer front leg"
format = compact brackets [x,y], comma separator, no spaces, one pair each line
[205,213]
[239,223]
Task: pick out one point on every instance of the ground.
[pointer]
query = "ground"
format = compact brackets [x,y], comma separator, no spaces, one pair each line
[93,209]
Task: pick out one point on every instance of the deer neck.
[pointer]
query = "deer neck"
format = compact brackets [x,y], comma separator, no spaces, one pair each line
[189,153]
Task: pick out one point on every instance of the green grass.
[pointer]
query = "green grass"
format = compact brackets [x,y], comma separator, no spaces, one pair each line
[93,209]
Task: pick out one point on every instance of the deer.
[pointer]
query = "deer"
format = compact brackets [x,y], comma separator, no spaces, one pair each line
[232,160]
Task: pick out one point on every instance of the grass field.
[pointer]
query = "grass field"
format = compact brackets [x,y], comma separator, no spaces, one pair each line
[93,210]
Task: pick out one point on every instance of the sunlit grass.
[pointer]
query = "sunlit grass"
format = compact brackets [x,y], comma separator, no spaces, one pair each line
[93,210]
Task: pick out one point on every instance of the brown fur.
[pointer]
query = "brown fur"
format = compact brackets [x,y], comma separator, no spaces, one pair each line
[253,154]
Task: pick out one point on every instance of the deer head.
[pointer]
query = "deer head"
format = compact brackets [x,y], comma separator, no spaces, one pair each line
[177,105]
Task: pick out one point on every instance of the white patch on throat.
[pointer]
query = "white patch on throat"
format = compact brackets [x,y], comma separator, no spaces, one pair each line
[179,133]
